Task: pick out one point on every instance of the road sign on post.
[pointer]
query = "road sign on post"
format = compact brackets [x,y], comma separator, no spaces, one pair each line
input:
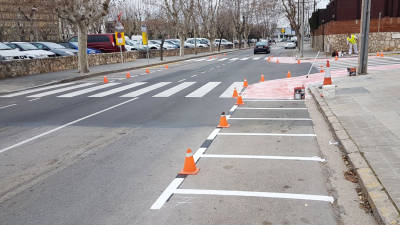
[119,38]
[144,41]
[283,30]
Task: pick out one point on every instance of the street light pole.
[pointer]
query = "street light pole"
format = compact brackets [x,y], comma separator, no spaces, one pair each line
[364,27]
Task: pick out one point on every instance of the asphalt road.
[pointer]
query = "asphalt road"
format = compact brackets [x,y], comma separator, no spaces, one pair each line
[105,159]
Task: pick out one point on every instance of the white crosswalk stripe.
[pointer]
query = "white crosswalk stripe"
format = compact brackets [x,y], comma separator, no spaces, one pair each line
[211,59]
[234,59]
[47,93]
[145,90]
[35,90]
[84,91]
[256,58]
[223,59]
[116,90]
[202,59]
[245,58]
[174,90]
[203,90]
[344,64]
[229,91]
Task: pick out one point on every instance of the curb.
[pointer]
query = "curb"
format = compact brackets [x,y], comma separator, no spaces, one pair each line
[119,70]
[383,208]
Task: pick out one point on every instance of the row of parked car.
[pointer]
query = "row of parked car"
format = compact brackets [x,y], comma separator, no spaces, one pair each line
[96,43]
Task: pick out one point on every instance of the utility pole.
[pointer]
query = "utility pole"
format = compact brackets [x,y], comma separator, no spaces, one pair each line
[364,27]
[302,33]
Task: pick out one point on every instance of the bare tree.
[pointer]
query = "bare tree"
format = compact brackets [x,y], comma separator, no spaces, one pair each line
[291,13]
[33,36]
[82,13]
[208,12]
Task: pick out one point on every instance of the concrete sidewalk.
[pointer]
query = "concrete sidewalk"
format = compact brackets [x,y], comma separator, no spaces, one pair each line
[20,83]
[364,114]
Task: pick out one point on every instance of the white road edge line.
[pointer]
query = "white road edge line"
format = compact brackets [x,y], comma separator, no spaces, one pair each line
[213,134]
[271,100]
[198,154]
[255,194]
[166,194]
[279,119]
[268,134]
[251,108]
[7,106]
[314,158]
[63,126]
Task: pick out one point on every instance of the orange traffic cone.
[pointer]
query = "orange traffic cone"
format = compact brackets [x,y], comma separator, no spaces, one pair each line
[239,100]
[245,83]
[189,168]
[336,58]
[277,61]
[147,70]
[381,54]
[289,74]
[327,78]
[166,66]
[128,75]
[298,61]
[262,78]
[105,79]
[322,69]
[377,54]
[210,57]
[269,59]
[223,122]
[235,93]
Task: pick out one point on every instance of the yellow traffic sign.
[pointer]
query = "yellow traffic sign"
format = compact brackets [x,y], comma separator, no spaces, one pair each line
[283,30]
[144,38]
[119,38]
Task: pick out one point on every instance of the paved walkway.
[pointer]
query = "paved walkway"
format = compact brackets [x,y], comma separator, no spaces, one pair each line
[18,83]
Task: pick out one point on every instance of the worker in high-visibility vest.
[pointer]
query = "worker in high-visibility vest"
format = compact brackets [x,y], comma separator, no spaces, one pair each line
[352,42]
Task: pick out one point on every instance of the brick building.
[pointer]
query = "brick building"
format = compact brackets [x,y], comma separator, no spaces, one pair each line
[330,26]
[29,20]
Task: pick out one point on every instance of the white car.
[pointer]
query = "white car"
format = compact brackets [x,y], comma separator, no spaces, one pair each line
[7,53]
[198,42]
[30,50]
[290,45]
[224,42]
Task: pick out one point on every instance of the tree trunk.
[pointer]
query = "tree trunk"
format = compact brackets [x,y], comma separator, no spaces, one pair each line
[83,65]
[182,48]
[212,39]
[161,49]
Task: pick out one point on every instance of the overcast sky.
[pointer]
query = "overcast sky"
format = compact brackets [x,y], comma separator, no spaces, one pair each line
[285,23]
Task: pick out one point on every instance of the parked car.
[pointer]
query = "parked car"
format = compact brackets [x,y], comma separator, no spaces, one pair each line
[203,42]
[102,42]
[58,49]
[177,45]
[30,50]
[74,45]
[224,42]
[262,47]
[290,45]
[134,46]
[8,53]
[198,43]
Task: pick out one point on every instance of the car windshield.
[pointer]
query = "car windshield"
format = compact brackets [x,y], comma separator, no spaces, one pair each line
[53,45]
[27,46]
[4,47]
[261,43]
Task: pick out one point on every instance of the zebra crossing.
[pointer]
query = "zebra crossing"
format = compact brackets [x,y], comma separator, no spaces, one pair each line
[205,59]
[130,90]
[342,64]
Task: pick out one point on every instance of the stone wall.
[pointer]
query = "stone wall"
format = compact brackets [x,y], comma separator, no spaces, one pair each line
[35,66]
[332,36]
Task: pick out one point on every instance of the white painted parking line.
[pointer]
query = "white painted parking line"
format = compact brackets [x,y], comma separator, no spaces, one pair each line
[272,100]
[267,134]
[278,119]
[213,134]
[84,91]
[174,90]
[7,106]
[167,193]
[255,194]
[203,90]
[245,58]
[145,90]
[254,108]
[63,126]
[314,158]
[116,90]
[198,154]
[234,107]
[47,93]
[35,90]
[229,91]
